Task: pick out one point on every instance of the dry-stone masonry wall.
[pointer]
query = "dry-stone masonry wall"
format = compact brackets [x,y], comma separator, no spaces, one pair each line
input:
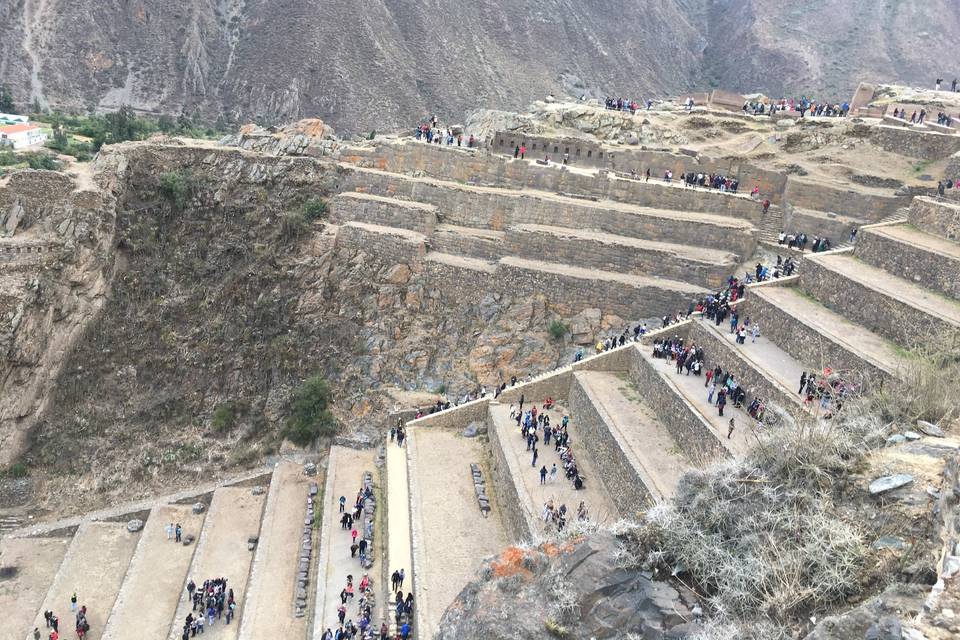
[805,343]
[404,214]
[938,217]
[682,419]
[911,261]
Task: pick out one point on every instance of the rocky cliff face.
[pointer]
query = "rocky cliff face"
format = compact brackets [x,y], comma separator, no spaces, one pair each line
[157,313]
[375,64]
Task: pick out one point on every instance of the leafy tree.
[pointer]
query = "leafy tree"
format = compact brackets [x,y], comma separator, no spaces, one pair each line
[42,161]
[310,416]
[6,99]
[37,107]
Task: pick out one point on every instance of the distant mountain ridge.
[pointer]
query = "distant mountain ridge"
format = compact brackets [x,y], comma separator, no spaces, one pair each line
[366,64]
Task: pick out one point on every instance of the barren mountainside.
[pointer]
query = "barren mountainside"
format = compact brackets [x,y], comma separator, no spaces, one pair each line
[381,63]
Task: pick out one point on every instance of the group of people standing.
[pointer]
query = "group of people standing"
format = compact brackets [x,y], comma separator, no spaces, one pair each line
[799,241]
[716,181]
[212,600]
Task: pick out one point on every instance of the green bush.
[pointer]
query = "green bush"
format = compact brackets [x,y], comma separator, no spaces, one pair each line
[310,416]
[8,158]
[42,161]
[557,329]
[314,209]
[225,417]
[16,470]
[175,187]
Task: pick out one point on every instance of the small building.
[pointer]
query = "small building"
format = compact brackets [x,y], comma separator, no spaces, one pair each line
[21,135]
[12,118]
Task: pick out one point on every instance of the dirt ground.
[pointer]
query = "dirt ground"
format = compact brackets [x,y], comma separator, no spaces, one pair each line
[36,561]
[455,537]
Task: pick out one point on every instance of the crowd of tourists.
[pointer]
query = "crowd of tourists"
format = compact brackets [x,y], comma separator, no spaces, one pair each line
[432,133]
[357,593]
[709,180]
[801,105]
[626,104]
[799,241]
[535,426]
[212,601]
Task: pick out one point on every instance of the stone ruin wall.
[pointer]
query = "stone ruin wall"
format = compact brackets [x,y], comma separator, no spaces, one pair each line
[936,216]
[459,165]
[499,211]
[912,263]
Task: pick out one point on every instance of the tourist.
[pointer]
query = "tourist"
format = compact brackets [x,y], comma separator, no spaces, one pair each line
[543,474]
[523,150]
[729,428]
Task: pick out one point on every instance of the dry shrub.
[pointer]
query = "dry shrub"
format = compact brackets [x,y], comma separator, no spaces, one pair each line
[930,384]
[762,539]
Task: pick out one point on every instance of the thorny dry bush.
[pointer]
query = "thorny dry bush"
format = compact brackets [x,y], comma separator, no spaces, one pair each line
[762,539]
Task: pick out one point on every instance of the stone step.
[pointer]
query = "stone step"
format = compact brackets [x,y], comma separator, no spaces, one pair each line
[762,368]
[222,552]
[281,554]
[893,307]
[157,574]
[621,254]
[930,261]
[641,461]
[94,567]
[680,402]
[379,210]
[813,334]
[36,561]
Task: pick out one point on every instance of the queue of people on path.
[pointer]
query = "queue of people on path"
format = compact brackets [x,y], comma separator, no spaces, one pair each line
[360,593]
[212,601]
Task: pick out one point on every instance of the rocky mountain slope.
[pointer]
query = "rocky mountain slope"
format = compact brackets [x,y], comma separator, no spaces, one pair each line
[379,63]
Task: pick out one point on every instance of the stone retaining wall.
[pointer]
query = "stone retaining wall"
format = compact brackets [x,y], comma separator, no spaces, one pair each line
[803,342]
[514,516]
[456,418]
[836,228]
[928,269]
[846,202]
[608,254]
[485,209]
[936,216]
[728,356]
[466,244]
[888,316]
[910,142]
[393,245]
[619,473]
[389,212]
[570,294]
[460,165]
[684,422]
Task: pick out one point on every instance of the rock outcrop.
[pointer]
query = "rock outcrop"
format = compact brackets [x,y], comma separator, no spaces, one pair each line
[572,589]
